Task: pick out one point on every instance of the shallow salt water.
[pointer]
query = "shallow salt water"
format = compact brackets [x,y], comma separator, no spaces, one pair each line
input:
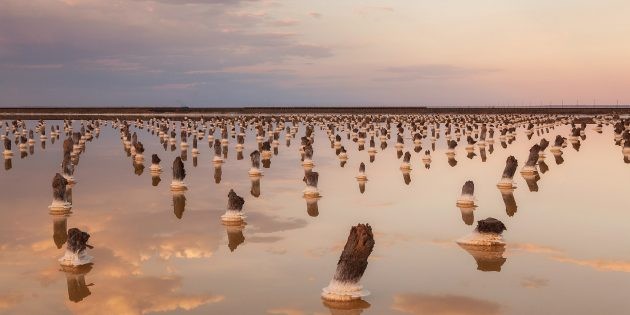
[568,250]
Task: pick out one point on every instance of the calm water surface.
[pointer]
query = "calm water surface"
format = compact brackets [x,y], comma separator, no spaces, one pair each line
[568,247]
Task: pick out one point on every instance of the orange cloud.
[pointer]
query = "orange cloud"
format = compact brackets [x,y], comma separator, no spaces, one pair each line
[10,300]
[141,295]
[534,283]
[443,305]
[285,311]
[534,248]
[598,264]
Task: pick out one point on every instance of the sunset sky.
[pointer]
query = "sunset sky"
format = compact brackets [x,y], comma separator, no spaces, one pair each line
[299,52]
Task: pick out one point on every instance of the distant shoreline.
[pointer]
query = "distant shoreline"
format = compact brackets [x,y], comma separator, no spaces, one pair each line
[109,112]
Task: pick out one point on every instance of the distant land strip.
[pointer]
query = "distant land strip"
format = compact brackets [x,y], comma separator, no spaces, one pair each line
[112,112]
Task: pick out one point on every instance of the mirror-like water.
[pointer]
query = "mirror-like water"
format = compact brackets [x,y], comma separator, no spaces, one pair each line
[567,252]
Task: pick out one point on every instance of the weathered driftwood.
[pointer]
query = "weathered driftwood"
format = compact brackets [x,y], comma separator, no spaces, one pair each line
[353,260]
[311,178]
[139,147]
[183,136]
[575,132]
[235,202]
[217,147]
[468,188]
[452,144]
[255,156]
[407,157]
[533,156]
[510,167]
[305,141]
[59,187]
[490,225]
[484,130]
[543,144]
[155,159]
[470,140]
[67,146]
[362,167]
[179,173]
[66,165]
[77,240]
[266,146]
[308,152]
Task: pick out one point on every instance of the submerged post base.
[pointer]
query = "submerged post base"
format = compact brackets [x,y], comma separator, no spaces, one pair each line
[340,291]
[233,217]
[75,259]
[177,186]
[481,240]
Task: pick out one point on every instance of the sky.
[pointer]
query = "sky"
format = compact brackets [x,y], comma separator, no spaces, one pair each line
[300,52]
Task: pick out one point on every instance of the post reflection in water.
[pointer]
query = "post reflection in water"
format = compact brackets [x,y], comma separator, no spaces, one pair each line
[138,168]
[155,179]
[179,203]
[544,168]
[235,235]
[362,185]
[468,213]
[508,199]
[452,161]
[138,240]
[8,164]
[532,181]
[255,186]
[78,290]
[60,229]
[218,171]
[406,176]
[487,259]
[558,157]
[311,206]
[354,307]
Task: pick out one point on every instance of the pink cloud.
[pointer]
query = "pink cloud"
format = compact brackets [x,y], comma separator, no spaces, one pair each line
[285,22]
[34,66]
[176,86]
[315,15]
